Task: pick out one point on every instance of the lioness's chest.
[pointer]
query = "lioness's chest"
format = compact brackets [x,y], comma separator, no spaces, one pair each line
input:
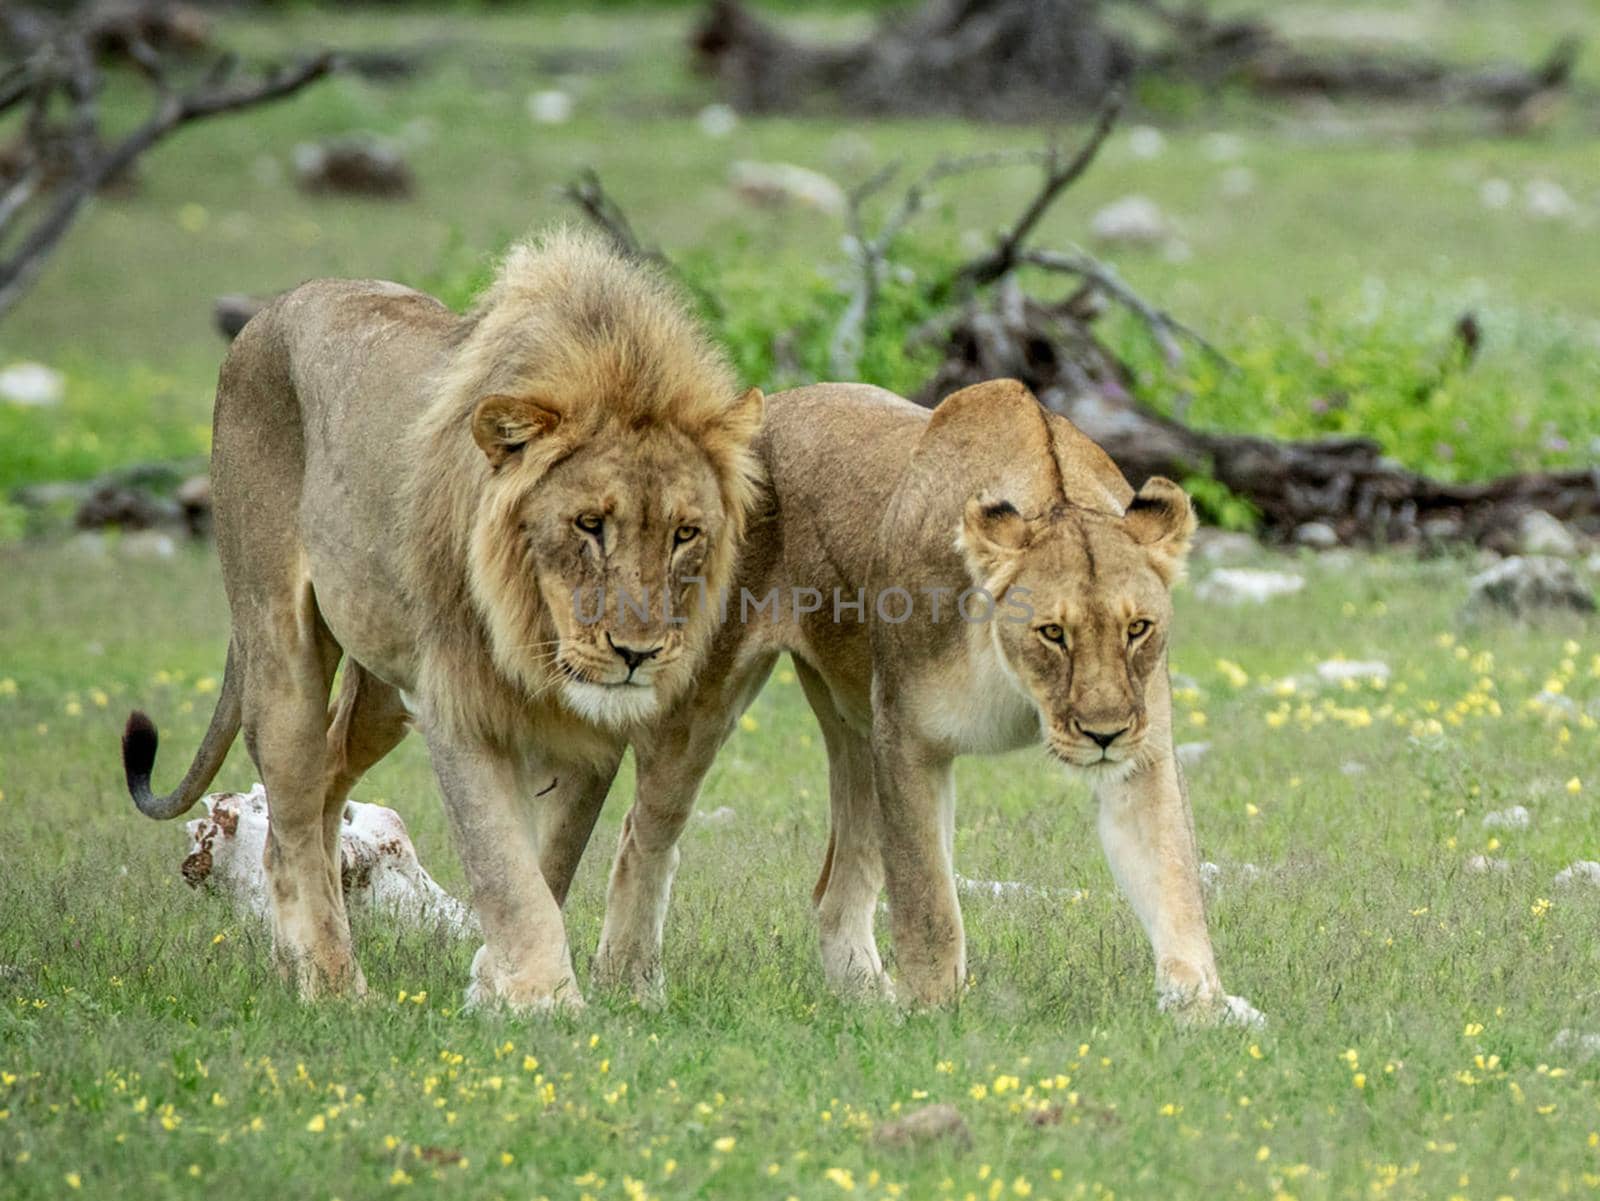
[975,707]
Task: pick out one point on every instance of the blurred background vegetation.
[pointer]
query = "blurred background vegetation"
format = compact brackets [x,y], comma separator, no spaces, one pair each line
[1327,246]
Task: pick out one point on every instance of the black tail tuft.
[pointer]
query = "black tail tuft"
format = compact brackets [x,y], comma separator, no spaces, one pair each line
[139,755]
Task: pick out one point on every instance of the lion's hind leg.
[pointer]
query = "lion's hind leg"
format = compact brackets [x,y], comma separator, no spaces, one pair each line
[289,661]
[368,720]
[846,895]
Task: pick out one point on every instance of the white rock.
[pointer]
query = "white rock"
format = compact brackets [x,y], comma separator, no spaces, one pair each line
[1318,535]
[1582,871]
[1494,193]
[1237,181]
[1336,671]
[998,888]
[1131,221]
[1582,1043]
[1538,533]
[553,107]
[1002,889]
[1223,546]
[719,816]
[1190,753]
[1146,141]
[1559,701]
[1484,864]
[1523,584]
[717,120]
[1223,147]
[377,863]
[147,544]
[1244,585]
[32,384]
[1547,200]
[777,185]
[1515,818]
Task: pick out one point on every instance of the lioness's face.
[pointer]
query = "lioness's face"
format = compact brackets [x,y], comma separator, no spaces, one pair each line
[618,539]
[1097,592]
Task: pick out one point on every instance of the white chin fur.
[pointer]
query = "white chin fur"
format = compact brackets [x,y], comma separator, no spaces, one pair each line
[1105,771]
[610,706]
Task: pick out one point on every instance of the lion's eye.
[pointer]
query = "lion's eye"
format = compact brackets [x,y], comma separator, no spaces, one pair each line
[1138,629]
[590,523]
[1053,633]
[685,533]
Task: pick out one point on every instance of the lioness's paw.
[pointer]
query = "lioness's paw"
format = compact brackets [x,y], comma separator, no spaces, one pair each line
[1188,1008]
[1239,1012]
[642,980]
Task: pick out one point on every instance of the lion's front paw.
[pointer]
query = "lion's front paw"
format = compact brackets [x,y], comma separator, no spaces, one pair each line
[493,984]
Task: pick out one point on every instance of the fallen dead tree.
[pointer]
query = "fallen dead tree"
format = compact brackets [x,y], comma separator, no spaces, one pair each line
[1021,60]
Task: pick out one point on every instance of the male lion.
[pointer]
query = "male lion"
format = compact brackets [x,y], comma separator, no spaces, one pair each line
[424,495]
[977,581]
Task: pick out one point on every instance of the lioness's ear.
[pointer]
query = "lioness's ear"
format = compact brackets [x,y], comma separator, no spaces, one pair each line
[742,419]
[991,531]
[503,425]
[1161,518]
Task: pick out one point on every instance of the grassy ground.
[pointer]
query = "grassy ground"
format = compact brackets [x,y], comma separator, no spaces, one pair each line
[146,1047]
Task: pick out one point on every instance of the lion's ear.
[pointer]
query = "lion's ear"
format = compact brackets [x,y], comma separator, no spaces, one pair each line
[503,425]
[1161,519]
[992,531]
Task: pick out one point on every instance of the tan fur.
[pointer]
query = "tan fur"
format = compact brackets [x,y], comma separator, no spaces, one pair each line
[423,495]
[871,493]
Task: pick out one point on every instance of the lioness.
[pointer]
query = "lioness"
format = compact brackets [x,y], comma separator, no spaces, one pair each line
[424,494]
[971,582]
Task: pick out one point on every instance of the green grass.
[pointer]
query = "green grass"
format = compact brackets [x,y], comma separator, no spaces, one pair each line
[147,1048]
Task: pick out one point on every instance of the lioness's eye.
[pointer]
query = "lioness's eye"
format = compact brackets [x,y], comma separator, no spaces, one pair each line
[1138,629]
[1053,633]
[685,533]
[590,523]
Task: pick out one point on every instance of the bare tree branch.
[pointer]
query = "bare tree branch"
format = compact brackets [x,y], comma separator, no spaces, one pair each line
[591,197]
[67,66]
[870,255]
[1058,177]
[1164,327]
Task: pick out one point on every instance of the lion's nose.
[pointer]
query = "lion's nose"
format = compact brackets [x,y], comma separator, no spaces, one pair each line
[1102,738]
[632,655]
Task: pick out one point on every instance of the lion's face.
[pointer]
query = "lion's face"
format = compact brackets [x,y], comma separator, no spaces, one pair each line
[615,549]
[618,538]
[1096,590]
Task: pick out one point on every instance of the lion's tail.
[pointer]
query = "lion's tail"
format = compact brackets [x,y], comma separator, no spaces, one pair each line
[139,742]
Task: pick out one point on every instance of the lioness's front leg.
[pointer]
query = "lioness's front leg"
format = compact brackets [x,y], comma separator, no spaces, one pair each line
[916,812]
[1148,833]
[524,961]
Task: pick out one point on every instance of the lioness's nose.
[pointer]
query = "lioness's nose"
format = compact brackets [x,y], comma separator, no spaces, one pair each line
[1102,738]
[632,655]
